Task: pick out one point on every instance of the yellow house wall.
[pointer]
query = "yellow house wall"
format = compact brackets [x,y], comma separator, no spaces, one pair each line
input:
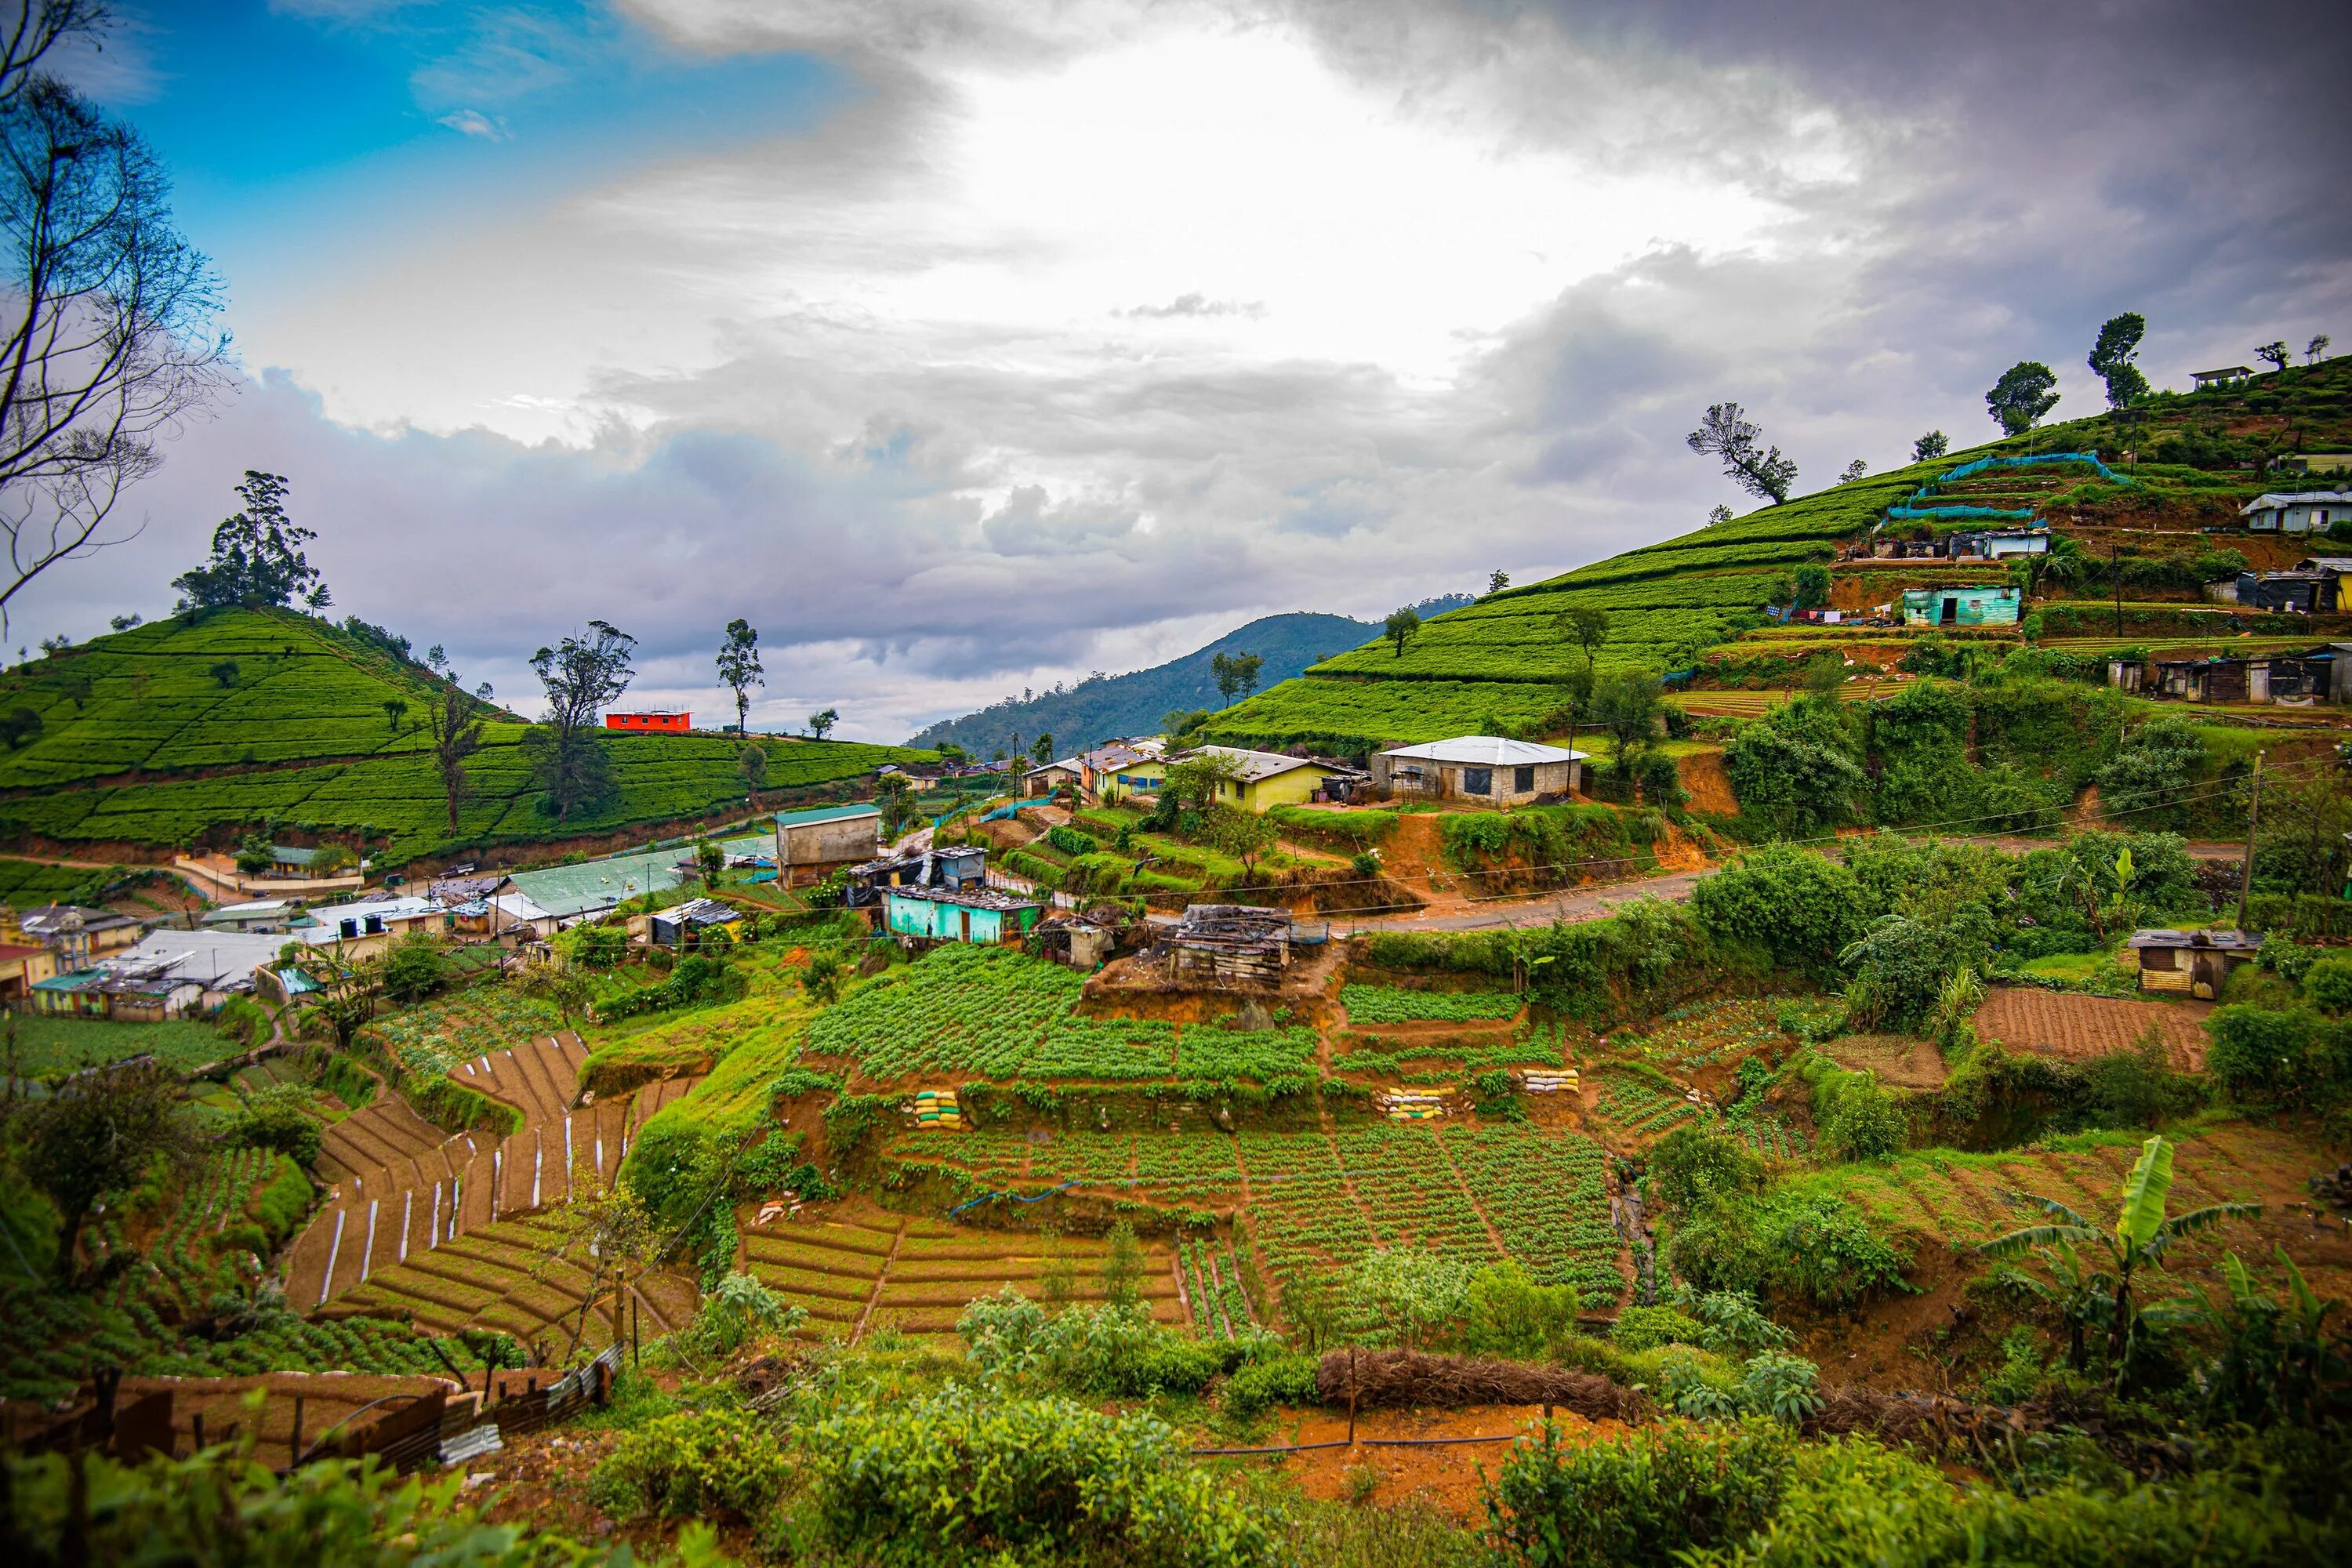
[1291,788]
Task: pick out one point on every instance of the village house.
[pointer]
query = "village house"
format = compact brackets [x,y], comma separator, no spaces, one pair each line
[1999,543]
[254,914]
[659,721]
[820,840]
[2319,675]
[2195,962]
[79,935]
[1988,607]
[2312,462]
[960,866]
[1045,780]
[920,916]
[26,960]
[1268,779]
[1480,767]
[2228,375]
[167,975]
[2303,511]
[365,928]
[684,923]
[2297,593]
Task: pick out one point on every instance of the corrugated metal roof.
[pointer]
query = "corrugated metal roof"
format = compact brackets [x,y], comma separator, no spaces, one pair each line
[1487,751]
[825,814]
[1257,765]
[564,891]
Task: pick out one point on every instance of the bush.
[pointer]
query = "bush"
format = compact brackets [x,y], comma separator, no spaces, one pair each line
[278,1118]
[1800,908]
[958,1478]
[285,1203]
[692,1463]
[1864,1122]
[1647,1328]
[1811,1247]
[739,1310]
[2328,984]
[1277,1380]
[2257,1054]
[413,968]
[1690,1166]
[1645,1499]
[1511,1316]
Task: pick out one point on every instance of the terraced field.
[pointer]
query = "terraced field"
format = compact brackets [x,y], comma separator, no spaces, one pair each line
[2079,1028]
[855,1267]
[400,1186]
[1308,1201]
[524,1276]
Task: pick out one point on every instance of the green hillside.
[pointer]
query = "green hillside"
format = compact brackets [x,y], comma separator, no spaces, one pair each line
[145,740]
[1491,666]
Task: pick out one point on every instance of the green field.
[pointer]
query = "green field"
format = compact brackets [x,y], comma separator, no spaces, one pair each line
[143,742]
[50,1048]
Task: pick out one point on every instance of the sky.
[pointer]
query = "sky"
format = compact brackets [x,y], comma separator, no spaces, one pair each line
[965,348]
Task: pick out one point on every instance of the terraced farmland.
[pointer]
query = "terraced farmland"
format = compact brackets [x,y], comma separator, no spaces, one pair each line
[854,1269]
[2079,1028]
[402,1186]
[524,1276]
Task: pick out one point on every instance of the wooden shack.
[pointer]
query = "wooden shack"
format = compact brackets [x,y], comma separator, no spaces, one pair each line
[2192,963]
[1230,945]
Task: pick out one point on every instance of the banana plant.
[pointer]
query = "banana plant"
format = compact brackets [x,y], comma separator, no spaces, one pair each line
[2139,1238]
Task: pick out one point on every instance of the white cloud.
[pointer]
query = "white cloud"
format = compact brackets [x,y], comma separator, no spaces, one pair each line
[474,123]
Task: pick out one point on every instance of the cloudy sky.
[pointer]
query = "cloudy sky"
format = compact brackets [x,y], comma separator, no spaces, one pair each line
[965,345]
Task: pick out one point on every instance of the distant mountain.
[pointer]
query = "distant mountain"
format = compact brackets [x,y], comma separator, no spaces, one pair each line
[1101,708]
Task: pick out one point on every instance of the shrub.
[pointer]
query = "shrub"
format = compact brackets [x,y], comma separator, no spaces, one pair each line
[692,1463]
[2328,984]
[1647,1328]
[278,1118]
[2258,1054]
[1865,1123]
[958,1478]
[285,1203]
[1813,1246]
[413,968]
[739,1310]
[1800,908]
[1690,1164]
[1509,1315]
[1277,1380]
[1645,1499]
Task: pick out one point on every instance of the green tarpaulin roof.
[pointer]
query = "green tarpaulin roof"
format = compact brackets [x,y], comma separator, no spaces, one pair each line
[567,890]
[825,814]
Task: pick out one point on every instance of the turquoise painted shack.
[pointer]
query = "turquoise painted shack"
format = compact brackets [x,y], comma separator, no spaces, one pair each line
[957,914]
[1959,606]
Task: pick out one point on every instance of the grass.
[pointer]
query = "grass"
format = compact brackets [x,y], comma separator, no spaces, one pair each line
[52,1048]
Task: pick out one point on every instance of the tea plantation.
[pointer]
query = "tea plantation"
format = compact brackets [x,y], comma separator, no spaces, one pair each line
[183,732]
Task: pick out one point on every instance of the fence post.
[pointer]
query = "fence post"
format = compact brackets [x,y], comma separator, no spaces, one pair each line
[1351,1396]
[294,1443]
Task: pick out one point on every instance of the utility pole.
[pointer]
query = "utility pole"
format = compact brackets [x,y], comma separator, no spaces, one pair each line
[2116,575]
[2253,815]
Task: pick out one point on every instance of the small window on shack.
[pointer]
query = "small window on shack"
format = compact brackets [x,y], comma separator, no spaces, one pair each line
[1523,781]
[2158,958]
[1477,781]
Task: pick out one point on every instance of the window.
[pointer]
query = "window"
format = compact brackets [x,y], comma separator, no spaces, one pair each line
[1523,781]
[1477,781]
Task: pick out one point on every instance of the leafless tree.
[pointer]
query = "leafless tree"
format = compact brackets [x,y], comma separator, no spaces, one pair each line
[106,312]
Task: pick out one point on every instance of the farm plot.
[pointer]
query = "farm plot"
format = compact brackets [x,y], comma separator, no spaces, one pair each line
[527,1277]
[1394,1005]
[854,1269]
[1449,1058]
[1170,1171]
[1707,1034]
[184,1252]
[2079,1028]
[1215,1293]
[401,1199]
[1546,1194]
[1411,1196]
[1640,1106]
[987,1012]
[1945,1196]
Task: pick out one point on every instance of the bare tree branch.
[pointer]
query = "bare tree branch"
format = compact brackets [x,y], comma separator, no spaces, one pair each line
[106,312]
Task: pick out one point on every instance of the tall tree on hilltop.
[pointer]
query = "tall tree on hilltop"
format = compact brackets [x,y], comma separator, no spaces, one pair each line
[823,720]
[1931,446]
[257,561]
[581,674]
[2111,358]
[107,311]
[1725,432]
[1399,628]
[455,721]
[1235,674]
[2316,349]
[2025,392]
[738,668]
[2276,354]
[1587,626]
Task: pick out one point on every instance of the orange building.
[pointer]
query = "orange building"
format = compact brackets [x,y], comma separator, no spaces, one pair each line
[679,722]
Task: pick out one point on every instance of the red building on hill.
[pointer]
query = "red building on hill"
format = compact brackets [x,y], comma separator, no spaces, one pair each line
[679,722]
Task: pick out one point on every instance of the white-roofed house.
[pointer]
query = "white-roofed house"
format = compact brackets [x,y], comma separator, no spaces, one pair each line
[1486,768]
[2304,511]
[362,929]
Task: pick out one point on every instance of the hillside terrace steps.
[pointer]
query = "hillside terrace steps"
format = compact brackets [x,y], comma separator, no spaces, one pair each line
[410,1201]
